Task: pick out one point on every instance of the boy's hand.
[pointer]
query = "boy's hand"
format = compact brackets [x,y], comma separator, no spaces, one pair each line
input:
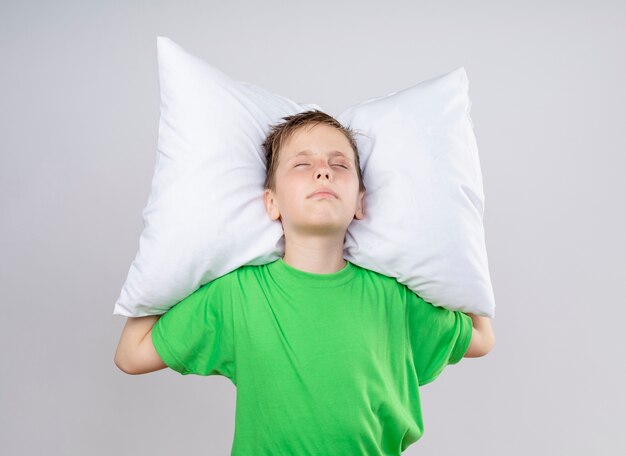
[483,338]
[135,352]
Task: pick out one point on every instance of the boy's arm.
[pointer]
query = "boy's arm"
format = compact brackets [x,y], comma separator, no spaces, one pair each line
[135,352]
[483,338]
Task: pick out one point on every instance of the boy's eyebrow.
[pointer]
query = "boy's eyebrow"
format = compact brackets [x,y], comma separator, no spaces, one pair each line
[308,152]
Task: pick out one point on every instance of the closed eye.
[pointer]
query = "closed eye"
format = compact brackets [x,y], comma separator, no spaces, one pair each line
[343,166]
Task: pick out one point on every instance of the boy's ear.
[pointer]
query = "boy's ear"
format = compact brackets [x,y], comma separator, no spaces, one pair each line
[270,204]
[359,207]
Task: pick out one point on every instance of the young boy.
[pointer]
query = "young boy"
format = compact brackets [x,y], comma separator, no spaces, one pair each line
[327,357]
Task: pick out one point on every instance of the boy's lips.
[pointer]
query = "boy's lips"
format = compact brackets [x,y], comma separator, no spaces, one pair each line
[323,191]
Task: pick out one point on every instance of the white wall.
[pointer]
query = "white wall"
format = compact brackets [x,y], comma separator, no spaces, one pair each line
[79,114]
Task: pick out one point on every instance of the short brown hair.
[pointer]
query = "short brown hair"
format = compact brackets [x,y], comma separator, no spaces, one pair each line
[280,133]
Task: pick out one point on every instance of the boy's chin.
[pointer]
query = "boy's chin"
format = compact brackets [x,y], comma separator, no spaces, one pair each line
[320,229]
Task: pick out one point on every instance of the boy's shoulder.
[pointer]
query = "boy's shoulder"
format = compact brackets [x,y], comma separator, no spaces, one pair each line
[242,272]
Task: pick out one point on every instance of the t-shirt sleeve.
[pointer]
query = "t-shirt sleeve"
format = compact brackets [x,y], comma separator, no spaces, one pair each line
[438,336]
[196,335]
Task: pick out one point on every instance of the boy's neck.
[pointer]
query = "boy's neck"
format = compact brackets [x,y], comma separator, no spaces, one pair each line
[318,255]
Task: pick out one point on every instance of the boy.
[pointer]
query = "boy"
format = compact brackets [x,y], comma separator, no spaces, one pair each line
[327,357]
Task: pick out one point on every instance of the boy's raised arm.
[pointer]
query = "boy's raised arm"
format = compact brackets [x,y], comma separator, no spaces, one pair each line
[135,352]
[483,338]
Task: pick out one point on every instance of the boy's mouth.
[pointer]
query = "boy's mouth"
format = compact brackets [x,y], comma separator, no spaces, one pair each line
[323,192]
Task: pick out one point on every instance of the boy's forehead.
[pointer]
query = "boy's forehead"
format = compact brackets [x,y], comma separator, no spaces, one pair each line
[302,141]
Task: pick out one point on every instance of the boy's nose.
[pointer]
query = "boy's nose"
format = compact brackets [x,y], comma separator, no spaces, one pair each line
[325,174]
[323,170]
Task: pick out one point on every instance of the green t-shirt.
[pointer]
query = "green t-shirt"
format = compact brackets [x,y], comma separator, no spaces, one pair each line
[324,364]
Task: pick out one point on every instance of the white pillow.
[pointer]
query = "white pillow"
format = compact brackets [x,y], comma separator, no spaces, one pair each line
[205,214]
[424,202]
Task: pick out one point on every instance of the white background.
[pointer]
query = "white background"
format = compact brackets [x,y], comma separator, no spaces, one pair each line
[79,111]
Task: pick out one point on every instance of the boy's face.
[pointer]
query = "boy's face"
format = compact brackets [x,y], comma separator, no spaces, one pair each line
[299,175]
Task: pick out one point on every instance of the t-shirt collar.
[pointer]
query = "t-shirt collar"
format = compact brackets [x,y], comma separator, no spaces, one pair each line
[298,277]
